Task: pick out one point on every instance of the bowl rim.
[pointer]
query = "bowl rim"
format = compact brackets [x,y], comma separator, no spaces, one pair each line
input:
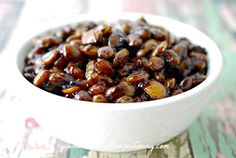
[215,67]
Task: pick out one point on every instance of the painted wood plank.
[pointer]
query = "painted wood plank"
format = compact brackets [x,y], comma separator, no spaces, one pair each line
[207,135]
[214,132]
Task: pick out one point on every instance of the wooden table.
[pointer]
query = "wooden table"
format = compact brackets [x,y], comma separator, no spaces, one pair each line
[213,134]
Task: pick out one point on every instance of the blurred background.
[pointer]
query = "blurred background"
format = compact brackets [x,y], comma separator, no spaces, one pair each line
[216,18]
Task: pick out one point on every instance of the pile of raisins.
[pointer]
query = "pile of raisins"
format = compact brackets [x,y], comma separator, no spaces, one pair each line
[122,62]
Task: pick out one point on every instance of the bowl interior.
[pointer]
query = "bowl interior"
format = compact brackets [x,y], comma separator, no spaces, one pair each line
[177,28]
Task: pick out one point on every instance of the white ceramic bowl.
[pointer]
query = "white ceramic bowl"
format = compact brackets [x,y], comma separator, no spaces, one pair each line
[122,127]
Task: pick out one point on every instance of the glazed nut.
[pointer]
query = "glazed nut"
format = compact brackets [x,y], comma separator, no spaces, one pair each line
[106,52]
[91,37]
[121,57]
[47,41]
[159,49]
[90,68]
[50,57]
[104,67]
[59,79]
[41,78]
[117,39]
[97,89]
[135,41]
[199,55]
[126,69]
[70,90]
[72,53]
[156,63]
[77,73]
[143,32]
[142,52]
[186,83]
[99,98]
[113,93]
[124,99]
[176,92]
[83,95]
[141,62]
[155,89]
[138,76]
[127,88]
[55,70]
[170,83]
[181,49]
[90,50]
[159,76]
[73,37]
[150,44]
[197,78]
[61,62]
[172,57]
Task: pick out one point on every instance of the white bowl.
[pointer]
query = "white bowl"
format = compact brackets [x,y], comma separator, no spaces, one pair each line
[122,127]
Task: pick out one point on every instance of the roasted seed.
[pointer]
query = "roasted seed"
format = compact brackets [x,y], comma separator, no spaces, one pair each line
[91,36]
[126,69]
[59,79]
[72,53]
[150,44]
[121,57]
[97,89]
[114,93]
[90,50]
[99,98]
[176,92]
[104,67]
[155,89]
[170,83]
[61,62]
[159,76]
[159,49]
[50,57]
[137,99]
[197,78]
[90,69]
[127,88]
[73,37]
[144,32]
[29,76]
[47,41]
[117,39]
[77,73]
[199,55]
[83,95]
[156,63]
[172,57]
[70,90]
[138,76]
[181,50]
[124,99]
[142,52]
[106,52]
[41,78]
[141,62]
[55,70]
[135,41]
[186,83]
